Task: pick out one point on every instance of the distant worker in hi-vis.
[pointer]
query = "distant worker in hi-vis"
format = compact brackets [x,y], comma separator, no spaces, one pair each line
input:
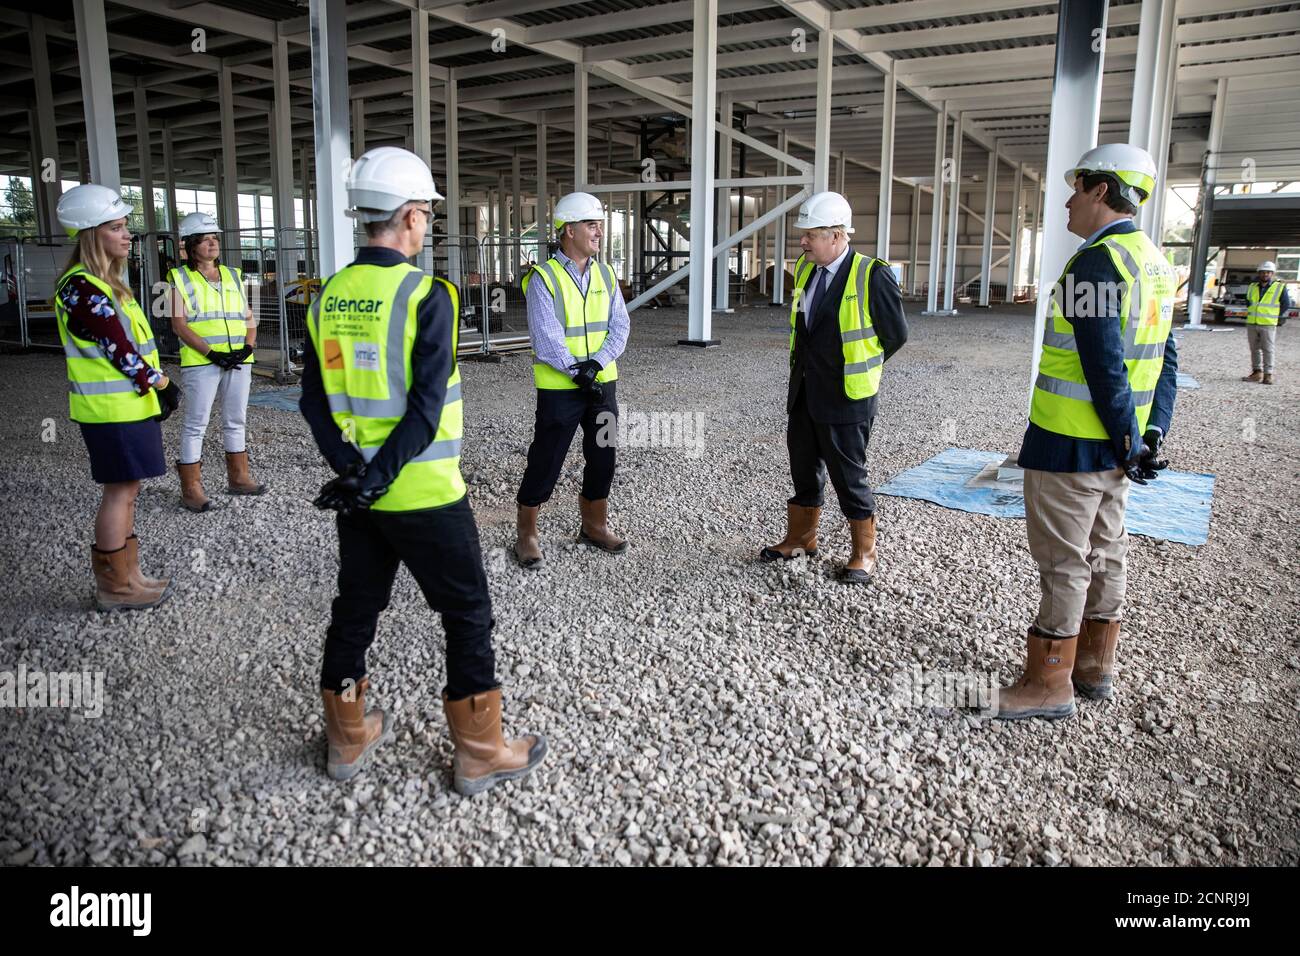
[1266,301]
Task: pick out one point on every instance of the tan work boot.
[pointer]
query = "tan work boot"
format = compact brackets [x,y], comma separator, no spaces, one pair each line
[528,546]
[351,734]
[1094,660]
[595,528]
[800,535]
[147,583]
[1044,689]
[192,496]
[239,479]
[1268,378]
[862,560]
[483,757]
[1254,376]
[114,589]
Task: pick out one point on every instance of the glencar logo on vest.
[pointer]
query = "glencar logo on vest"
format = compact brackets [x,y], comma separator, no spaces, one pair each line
[73,909]
[365,356]
[337,303]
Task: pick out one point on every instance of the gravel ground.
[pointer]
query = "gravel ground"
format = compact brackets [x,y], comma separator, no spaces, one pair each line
[702,707]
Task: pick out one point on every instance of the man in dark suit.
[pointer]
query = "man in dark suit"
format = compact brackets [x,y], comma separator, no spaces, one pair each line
[845,321]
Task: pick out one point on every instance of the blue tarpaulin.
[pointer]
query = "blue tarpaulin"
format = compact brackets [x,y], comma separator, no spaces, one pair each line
[1175,507]
[281,399]
[1186,381]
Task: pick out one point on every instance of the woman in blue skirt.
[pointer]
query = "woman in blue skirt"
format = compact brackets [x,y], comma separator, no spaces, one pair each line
[116,391]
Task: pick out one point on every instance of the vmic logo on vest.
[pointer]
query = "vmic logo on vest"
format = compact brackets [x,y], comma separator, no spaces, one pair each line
[365,356]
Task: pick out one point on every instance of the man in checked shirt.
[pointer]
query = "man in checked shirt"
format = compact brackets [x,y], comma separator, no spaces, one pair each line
[578,324]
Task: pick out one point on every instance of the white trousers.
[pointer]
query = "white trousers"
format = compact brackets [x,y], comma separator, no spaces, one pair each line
[202,384]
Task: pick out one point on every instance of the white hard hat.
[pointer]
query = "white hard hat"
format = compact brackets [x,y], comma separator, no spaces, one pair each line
[198,224]
[1267,266]
[577,207]
[385,178]
[825,209]
[88,205]
[1131,165]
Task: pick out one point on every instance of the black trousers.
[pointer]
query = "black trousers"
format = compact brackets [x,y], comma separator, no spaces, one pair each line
[841,450]
[440,547]
[559,413]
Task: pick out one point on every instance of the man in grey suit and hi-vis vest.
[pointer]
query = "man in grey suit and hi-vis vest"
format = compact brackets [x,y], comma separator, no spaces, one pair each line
[846,320]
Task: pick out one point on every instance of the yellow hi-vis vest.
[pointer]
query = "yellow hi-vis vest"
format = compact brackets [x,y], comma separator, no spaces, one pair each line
[97,391]
[1264,311]
[863,355]
[1061,402]
[363,327]
[217,317]
[585,318]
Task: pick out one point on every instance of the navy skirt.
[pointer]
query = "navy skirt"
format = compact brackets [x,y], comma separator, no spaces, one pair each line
[124,451]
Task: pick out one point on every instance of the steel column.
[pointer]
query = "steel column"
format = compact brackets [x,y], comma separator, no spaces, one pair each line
[452,118]
[704,87]
[144,156]
[885,205]
[778,250]
[1201,248]
[282,153]
[722,223]
[329,83]
[954,210]
[359,126]
[229,199]
[47,130]
[936,211]
[581,167]
[914,240]
[421,104]
[1017,223]
[543,199]
[97,92]
[822,137]
[1072,131]
[990,212]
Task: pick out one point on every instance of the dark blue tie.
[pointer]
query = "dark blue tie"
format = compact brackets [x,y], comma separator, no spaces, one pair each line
[819,289]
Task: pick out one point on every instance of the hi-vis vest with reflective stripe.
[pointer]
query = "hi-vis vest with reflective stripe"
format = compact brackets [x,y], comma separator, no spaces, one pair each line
[585,318]
[363,327]
[1264,311]
[1061,401]
[216,317]
[863,355]
[97,391]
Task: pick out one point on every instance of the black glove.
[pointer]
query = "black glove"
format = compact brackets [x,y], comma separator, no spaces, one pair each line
[585,376]
[349,492]
[1133,467]
[1150,461]
[169,399]
[240,355]
[221,359]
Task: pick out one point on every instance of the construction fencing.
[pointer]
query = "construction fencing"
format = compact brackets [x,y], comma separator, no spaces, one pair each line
[282,278]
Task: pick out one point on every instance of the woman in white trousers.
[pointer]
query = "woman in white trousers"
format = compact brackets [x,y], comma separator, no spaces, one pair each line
[215,324]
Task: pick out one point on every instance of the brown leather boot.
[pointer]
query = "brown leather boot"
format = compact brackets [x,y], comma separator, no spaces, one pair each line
[351,734]
[528,546]
[192,496]
[1094,661]
[800,535]
[595,528]
[238,478]
[483,757]
[862,561]
[1268,379]
[1254,376]
[114,589]
[147,583]
[1044,689]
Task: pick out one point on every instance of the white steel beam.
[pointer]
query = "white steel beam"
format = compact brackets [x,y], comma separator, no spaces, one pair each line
[705,80]
[97,92]
[1076,110]
[421,104]
[822,135]
[329,69]
[886,202]
[950,279]
[722,222]
[936,213]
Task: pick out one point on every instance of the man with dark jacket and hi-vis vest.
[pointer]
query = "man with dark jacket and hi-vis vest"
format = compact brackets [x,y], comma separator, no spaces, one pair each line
[579,325]
[1266,300]
[381,391]
[846,320]
[1101,406]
